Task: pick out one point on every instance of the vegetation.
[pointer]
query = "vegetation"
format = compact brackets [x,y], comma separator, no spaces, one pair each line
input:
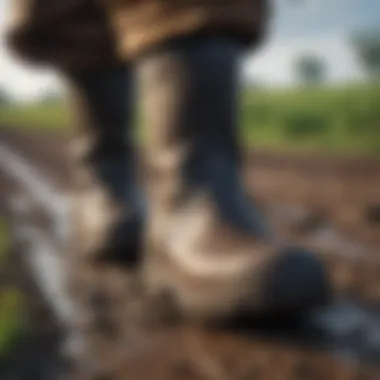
[10,319]
[47,117]
[10,302]
[366,44]
[336,120]
[310,70]
[326,118]
[4,98]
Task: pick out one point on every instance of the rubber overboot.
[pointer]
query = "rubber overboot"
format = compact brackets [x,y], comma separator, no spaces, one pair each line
[108,205]
[207,246]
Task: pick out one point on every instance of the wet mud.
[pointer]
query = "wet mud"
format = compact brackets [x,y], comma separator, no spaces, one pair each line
[329,204]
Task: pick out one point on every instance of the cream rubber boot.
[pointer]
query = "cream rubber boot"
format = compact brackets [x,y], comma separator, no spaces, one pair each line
[207,246]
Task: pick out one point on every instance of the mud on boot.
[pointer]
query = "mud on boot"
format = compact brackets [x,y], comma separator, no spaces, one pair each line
[206,244]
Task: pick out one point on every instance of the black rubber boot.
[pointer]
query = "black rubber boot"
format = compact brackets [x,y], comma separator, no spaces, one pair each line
[207,245]
[108,204]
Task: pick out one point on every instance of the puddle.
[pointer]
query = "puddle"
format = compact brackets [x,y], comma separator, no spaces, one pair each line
[344,329]
[49,272]
[351,330]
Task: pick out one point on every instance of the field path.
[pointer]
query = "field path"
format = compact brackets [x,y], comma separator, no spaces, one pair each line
[332,204]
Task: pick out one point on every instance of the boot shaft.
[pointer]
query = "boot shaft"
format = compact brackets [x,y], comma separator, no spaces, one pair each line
[108,204]
[191,96]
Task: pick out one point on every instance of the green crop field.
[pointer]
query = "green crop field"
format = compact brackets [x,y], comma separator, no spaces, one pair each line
[336,120]
[51,117]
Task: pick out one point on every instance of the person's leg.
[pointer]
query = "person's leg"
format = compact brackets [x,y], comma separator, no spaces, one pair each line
[108,204]
[77,40]
[207,245]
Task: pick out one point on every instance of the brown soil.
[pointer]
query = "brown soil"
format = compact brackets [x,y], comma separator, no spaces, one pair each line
[303,196]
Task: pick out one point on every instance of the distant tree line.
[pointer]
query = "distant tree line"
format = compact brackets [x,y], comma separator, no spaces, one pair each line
[310,70]
[4,98]
[366,44]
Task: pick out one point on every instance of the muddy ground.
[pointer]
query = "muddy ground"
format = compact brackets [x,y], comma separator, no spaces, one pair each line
[331,204]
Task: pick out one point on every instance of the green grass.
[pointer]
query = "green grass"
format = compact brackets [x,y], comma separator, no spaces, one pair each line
[11,323]
[342,120]
[36,117]
[338,120]
[10,302]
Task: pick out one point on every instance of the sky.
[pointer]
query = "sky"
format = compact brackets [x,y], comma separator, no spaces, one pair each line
[319,27]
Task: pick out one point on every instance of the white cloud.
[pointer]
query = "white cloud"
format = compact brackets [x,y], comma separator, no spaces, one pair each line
[21,81]
[274,63]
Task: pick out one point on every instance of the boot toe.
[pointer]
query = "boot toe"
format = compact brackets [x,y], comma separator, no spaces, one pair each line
[298,282]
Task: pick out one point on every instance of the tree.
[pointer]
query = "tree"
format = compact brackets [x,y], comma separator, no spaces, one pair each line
[51,97]
[310,70]
[366,44]
[4,98]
